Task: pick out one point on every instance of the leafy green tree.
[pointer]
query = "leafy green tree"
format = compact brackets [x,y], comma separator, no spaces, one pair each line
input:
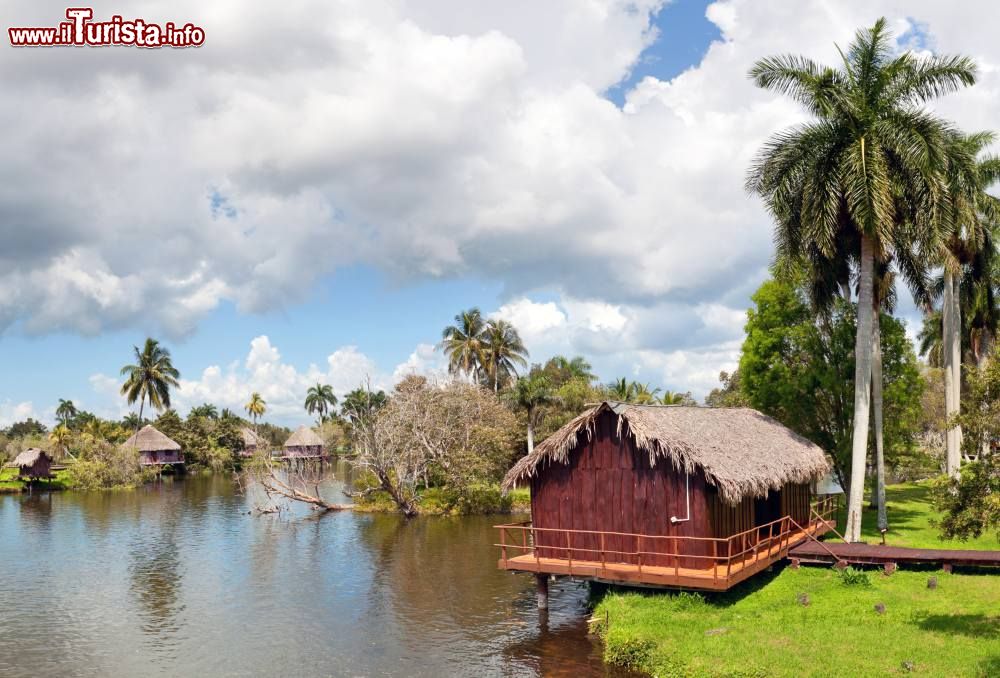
[798,368]
[464,344]
[363,403]
[560,369]
[28,427]
[150,378]
[971,501]
[730,393]
[503,353]
[841,174]
[531,394]
[320,400]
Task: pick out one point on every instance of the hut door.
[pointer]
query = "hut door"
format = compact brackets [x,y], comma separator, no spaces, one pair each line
[765,510]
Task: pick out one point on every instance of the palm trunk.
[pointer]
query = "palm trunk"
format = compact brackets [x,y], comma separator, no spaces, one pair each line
[531,434]
[862,391]
[879,496]
[951,329]
[986,345]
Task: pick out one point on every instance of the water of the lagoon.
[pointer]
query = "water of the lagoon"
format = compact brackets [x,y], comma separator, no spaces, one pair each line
[177,579]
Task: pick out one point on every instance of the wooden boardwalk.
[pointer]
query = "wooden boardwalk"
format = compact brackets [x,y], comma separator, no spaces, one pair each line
[876,554]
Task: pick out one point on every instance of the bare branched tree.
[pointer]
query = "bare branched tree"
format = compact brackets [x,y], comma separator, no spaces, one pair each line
[291,480]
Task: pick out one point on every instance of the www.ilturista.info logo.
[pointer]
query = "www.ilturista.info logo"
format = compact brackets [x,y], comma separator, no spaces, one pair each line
[81,31]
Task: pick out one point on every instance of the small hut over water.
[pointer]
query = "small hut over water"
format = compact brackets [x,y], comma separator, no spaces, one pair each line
[155,449]
[696,497]
[304,444]
[251,442]
[33,464]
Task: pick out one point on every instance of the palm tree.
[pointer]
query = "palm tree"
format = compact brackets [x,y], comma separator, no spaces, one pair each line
[622,390]
[61,436]
[65,411]
[255,407]
[530,394]
[676,398]
[464,344]
[575,368]
[362,403]
[205,410]
[320,399]
[645,394]
[971,213]
[503,350]
[842,174]
[150,378]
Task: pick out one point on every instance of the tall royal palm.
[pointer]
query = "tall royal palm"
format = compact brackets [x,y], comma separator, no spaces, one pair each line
[972,214]
[150,378]
[320,400]
[842,174]
[464,344]
[65,411]
[503,352]
[255,407]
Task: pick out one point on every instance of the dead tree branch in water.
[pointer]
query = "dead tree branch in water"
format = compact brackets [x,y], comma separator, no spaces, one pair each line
[292,480]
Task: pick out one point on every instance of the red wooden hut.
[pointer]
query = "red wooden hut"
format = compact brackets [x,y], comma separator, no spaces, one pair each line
[304,444]
[695,497]
[33,464]
[251,442]
[155,449]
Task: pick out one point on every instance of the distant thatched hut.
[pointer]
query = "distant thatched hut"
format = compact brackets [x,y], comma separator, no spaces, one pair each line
[251,442]
[155,449]
[33,464]
[666,495]
[304,444]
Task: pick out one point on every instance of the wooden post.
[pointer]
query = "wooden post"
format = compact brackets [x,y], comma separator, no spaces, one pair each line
[639,552]
[503,545]
[569,552]
[603,565]
[542,591]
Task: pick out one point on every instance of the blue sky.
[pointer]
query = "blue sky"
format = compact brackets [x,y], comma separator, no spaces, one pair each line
[357,305]
[312,195]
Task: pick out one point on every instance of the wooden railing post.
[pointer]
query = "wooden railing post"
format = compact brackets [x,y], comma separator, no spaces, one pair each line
[569,552]
[715,562]
[603,563]
[677,557]
[729,557]
[639,552]
[503,545]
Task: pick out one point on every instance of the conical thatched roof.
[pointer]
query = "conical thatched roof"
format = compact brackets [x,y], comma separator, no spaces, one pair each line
[741,451]
[304,437]
[29,456]
[150,440]
[251,439]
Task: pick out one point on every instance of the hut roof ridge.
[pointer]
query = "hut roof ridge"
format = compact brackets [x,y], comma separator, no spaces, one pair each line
[150,439]
[29,456]
[303,437]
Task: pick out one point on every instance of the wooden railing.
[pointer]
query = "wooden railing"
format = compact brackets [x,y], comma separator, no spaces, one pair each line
[719,558]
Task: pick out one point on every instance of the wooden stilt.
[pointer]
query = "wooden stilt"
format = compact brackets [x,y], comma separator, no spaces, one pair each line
[542,591]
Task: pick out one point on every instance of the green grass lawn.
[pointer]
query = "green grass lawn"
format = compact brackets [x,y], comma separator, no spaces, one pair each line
[9,482]
[761,628]
[911,516]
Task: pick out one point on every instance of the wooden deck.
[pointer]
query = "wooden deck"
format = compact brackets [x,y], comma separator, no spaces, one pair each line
[734,559]
[877,554]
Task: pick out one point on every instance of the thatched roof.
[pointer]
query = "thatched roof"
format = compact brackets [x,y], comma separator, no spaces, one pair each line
[304,437]
[29,457]
[741,451]
[150,440]
[251,439]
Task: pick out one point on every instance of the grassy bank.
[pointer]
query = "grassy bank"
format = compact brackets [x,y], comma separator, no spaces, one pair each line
[10,484]
[478,500]
[815,622]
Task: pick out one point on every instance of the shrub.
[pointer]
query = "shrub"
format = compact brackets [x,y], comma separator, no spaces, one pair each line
[628,652]
[106,466]
[851,577]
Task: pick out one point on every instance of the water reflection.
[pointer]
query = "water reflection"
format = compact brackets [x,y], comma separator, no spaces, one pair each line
[178,579]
